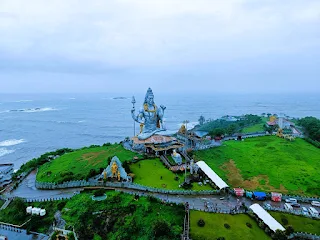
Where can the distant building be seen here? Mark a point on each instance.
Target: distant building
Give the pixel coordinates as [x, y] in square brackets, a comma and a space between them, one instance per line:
[229, 118]
[6, 171]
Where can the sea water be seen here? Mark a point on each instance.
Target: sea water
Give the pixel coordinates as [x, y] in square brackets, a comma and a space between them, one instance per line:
[33, 124]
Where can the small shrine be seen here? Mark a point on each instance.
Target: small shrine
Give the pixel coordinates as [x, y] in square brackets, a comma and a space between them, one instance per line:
[176, 157]
[115, 172]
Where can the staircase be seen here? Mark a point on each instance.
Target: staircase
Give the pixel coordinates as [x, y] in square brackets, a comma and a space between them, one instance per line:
[186, 225]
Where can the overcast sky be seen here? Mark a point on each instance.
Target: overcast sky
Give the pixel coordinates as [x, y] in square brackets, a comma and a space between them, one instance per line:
[171, 45]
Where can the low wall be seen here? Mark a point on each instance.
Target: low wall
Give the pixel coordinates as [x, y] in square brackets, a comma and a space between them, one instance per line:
[75, 184]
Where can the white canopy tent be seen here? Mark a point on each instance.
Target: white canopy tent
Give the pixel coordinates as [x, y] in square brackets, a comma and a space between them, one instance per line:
[212, 175]
[266, 217]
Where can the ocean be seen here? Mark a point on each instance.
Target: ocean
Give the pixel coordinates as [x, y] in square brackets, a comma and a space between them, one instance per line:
[32, 124]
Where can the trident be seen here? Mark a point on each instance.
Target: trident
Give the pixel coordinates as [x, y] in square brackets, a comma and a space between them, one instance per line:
[134, 122]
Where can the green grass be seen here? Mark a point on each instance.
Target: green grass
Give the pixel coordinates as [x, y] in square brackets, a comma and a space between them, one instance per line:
[80, 162]
[214, 227]
[149, 173]
[299, 223]
[295, 165]
[254, 128]
[121, 217]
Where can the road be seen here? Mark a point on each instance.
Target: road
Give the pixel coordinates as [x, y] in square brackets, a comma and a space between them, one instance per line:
[27, 189]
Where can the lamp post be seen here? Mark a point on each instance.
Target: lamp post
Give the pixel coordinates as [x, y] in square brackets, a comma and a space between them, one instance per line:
[186, 135]
[134, 122]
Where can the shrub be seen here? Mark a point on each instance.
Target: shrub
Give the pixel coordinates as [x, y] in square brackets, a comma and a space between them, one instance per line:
[227, 226]
[99, 192]
[61, 205]
[221, 238]
[249, 225]
[201, 222]
[284, 220]
[289, 230]
[176, 178]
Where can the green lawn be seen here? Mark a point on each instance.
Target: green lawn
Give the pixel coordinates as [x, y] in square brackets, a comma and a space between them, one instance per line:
[80, 162]
[149, 173]
[254, 128]
[267, 163]
[214, 227]
[121, 217]
[299, 223]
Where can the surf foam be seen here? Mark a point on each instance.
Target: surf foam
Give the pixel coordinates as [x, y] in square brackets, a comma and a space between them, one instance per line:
[11, 142]
[4, 151]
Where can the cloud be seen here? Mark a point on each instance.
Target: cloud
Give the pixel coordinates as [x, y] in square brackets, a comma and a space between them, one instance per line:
[169, 37]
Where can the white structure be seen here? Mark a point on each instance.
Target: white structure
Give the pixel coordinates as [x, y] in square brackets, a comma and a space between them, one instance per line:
[212, 175]
[42, 212]
[29, 210]
[36, 211]
[266, 217]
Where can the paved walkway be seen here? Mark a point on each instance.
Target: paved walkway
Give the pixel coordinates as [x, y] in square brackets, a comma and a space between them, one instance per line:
[27, 189]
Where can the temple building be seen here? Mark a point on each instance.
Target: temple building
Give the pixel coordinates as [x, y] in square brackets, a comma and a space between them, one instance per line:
[115, 172]
[157, 145]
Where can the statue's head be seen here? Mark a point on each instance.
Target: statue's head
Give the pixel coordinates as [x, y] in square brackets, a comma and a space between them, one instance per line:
[149, 97]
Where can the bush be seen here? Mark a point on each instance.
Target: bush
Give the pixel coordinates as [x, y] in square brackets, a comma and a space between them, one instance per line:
[289, 230]
[249, 225]
[221, 238]
[227, 226]
[201, 222]
[284, 220]
[99, 192]
[61, 205]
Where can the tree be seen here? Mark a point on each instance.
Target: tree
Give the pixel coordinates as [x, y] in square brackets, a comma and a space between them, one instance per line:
[280, 235]
[202, 120]
[289, 230]
[232, 129]
[161, 228]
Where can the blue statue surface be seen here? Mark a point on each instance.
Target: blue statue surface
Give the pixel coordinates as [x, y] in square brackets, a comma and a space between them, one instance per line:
[150, 118]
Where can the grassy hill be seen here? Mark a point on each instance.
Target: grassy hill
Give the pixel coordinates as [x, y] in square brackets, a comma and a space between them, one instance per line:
[77, 165]
[299, 223]
[214, 227]
[267, 163]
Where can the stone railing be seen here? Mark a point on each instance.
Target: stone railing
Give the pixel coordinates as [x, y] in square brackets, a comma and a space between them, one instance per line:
[304, 199]
[294, 212]
[304, 235]
[83, 183]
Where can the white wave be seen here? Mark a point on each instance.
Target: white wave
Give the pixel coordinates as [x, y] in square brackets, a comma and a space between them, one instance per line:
[20, 101]
[11, 142]
[33, 110]
[81, 121]
[6, 111]
[4, 151]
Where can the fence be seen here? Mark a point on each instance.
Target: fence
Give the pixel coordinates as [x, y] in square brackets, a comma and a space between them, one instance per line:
[294, 212]
[304, 236]
[83, 183]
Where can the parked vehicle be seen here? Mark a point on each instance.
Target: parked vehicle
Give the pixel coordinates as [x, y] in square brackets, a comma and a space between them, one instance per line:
[222, 198]
[267, 206]
[288, 206]
[313, 212]
[297, 205]
[315, 203]
[291, 200]
[304, 211]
